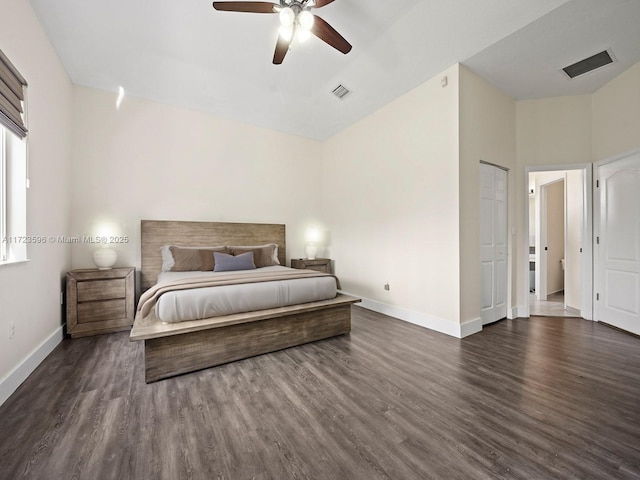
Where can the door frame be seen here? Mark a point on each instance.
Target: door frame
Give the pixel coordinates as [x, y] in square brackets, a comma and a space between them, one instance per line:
[596, 215]
[588, 263]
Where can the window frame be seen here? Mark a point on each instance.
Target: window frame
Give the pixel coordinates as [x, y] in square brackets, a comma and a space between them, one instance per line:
[14, 164]
[14, 187]
[4, 241]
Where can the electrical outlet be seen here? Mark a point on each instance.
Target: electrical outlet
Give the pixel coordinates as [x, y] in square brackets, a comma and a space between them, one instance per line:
[12, 330]
[387, 287]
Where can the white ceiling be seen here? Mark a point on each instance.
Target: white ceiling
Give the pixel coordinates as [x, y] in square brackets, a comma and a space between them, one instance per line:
[187, 54]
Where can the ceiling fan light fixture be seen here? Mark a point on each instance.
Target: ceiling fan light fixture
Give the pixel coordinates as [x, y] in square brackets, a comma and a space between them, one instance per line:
[303, 35]
[305, 19]
[286, 32]
[296, 22]
[287, 16]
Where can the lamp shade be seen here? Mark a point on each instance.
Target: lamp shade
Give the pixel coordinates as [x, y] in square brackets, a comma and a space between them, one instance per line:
[313, 235]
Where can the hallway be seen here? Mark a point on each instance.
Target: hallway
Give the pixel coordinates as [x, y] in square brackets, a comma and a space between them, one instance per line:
[553, 307]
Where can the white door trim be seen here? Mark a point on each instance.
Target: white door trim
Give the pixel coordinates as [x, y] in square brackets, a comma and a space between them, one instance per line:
[587, 234]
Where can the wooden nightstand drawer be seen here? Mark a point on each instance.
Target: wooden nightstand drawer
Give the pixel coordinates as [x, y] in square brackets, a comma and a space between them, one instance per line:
[100, 301]
[102, 311]
[318, 264]
[101, 290]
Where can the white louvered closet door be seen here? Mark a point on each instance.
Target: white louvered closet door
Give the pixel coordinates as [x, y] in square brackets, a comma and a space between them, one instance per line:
[493, 243]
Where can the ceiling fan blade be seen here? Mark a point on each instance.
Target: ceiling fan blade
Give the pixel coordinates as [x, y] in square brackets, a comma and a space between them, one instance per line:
[249, 7]
[328, 34]
[322, 3]
[282, 47]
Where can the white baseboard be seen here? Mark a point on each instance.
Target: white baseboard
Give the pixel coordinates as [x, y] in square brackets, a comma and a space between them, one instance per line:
[470, 327]
[19, 374]
[521, 311]
[427, 321]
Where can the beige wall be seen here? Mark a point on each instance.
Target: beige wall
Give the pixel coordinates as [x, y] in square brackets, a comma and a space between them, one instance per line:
[30, 292]
[550, 131]
[152, 161]
[616, 116]
[554, 131]
[391, 199]
[487, 132]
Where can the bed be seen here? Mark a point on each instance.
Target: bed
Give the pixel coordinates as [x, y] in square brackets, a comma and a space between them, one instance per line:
[173, 348]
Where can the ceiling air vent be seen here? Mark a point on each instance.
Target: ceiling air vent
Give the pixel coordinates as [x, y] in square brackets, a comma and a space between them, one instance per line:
[588, 64]
[341, 91]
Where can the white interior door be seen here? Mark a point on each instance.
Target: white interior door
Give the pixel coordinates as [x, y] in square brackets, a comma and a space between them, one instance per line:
[493, 243]
[618, 250]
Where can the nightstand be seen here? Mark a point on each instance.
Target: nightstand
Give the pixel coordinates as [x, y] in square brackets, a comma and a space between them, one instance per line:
[319, 264]
[100, 301]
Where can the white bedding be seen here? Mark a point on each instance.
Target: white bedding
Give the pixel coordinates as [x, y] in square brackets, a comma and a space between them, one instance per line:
[197, 303]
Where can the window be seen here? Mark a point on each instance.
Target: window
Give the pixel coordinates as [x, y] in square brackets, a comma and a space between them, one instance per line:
[13, 164]
[13, 198]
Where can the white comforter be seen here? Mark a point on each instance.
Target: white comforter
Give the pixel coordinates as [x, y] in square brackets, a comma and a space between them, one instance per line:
[193, 304]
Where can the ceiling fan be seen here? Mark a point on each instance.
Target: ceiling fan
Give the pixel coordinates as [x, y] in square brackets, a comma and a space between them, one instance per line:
[296, 21]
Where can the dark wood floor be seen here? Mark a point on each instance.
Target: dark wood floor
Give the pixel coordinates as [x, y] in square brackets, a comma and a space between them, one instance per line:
[543, 398]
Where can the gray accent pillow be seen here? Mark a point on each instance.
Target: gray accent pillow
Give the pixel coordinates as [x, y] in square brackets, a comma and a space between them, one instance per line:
[206, 257]
[230, 263]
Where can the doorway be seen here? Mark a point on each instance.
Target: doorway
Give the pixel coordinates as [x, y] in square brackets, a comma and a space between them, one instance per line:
[559, 241]
[555, 287]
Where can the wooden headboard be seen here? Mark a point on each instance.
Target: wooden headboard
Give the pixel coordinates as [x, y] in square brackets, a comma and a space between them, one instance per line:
[155, 233]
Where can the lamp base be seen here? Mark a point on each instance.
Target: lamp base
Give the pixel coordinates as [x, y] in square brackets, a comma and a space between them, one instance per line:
[105, 258]
[311, 251]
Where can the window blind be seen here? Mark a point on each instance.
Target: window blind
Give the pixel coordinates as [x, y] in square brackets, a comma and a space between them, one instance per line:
[12, 86]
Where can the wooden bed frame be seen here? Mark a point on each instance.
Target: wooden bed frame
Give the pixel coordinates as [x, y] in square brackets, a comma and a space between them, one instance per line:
[176, 348]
